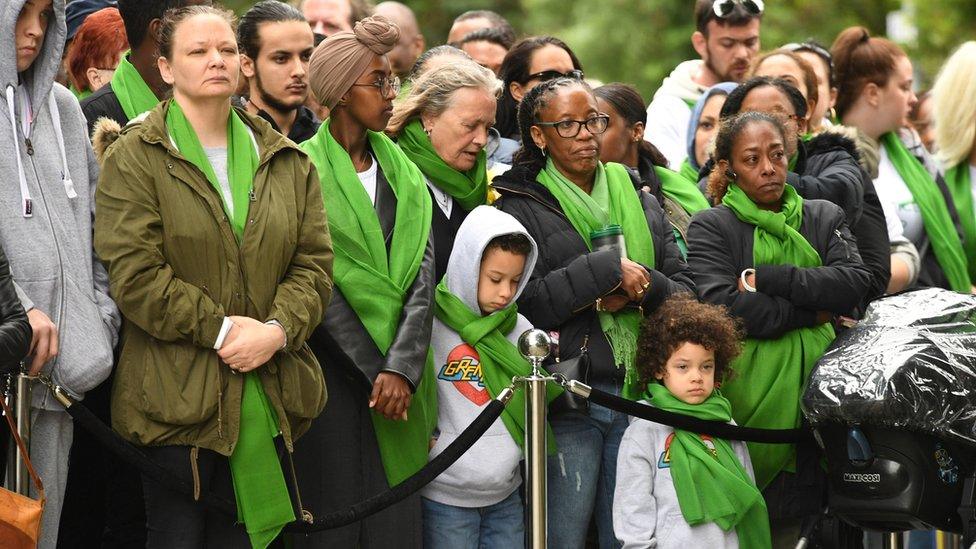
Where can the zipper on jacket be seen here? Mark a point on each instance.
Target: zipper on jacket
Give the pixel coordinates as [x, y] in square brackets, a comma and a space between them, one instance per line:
[847, 248]
[30, 146]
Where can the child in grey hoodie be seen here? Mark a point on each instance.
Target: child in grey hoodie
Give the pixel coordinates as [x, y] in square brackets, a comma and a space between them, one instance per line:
[476, 503]
[683, 489]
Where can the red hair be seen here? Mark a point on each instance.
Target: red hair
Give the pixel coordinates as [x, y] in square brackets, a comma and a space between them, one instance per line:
[98, 43]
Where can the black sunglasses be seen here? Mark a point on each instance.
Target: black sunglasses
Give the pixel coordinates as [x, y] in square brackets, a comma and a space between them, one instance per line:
[723, 8]
[546, 76]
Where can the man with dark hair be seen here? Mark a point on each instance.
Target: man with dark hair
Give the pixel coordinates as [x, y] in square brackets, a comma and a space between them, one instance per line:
[331, 16]
[726, 38]
[471, 21]
[276, 44]
[136, 86]
[411, 42]
[487, 47]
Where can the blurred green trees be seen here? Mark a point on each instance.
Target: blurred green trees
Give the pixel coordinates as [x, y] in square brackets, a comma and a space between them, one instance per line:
[640, 41]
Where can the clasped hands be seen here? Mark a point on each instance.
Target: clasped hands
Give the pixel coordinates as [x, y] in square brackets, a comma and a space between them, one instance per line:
[635, 280]
[250, 344]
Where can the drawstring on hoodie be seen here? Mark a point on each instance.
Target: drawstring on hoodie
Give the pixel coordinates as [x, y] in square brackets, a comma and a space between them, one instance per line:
[69, 187]
[28, 206]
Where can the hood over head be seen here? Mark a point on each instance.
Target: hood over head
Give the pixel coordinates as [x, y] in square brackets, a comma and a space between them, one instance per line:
[722, 88]
[464, 267]
[681, 83]
[39, 78]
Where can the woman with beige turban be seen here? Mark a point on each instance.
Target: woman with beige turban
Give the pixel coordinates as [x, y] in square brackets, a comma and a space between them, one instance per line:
[373, 344]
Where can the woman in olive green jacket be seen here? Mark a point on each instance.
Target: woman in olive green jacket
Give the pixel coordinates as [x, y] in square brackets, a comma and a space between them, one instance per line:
[214, 233]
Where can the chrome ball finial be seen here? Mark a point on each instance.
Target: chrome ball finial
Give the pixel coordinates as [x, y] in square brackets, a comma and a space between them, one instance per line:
[535, 345]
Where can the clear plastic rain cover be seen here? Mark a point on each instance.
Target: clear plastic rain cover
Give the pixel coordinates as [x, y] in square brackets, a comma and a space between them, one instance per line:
[911, 363]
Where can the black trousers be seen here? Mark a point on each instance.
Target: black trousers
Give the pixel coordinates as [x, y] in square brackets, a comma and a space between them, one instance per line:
[174, 520]
[338, 464]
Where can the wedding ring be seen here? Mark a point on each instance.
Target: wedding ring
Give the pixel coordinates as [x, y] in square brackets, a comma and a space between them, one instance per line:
[646, 285]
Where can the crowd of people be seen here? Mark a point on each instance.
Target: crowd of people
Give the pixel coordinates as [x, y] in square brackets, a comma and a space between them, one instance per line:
[289, 256]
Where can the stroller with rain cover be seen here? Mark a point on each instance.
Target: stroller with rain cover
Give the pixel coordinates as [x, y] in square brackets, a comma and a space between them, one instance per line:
[893, 406]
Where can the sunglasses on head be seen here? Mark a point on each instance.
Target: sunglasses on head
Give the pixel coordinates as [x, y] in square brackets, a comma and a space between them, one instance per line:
[546, 76]
[724, 8]
[812, 48]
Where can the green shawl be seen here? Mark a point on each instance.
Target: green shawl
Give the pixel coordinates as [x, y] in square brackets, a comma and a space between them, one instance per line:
[938, 223]
[375, 282]
[263, 503]
[469, 189]
[770, 373]
[131, 90]
[499, 359]
[688, 171]
[677, 188]
[711, 483]
[957, 178]
[611, 202]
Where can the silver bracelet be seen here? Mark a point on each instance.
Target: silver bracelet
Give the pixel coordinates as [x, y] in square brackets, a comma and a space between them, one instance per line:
[742, 278]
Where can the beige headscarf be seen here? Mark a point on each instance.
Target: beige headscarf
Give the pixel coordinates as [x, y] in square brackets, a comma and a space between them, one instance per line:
[340, 59]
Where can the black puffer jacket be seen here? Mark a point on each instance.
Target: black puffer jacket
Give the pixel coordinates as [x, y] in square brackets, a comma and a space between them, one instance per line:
[568, 278]
[720, 247]
[15, 330]
[830, 164]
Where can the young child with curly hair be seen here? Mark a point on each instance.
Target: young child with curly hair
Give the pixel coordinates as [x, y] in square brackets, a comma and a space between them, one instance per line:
[683, 489]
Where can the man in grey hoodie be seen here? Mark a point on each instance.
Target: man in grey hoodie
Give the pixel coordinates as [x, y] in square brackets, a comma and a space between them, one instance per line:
[726, 45]
[48, 174]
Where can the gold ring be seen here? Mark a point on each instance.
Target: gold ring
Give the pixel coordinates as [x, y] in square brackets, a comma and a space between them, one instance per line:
[641, 291]
[646, 285]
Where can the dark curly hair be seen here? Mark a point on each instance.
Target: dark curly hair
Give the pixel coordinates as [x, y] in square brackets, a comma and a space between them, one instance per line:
[516, 243]
[728, 131]
[682, 319]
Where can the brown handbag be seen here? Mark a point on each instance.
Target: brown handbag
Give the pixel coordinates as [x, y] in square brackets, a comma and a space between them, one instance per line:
[20, 516]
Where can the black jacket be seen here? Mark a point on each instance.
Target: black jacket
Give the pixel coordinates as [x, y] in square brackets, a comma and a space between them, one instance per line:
[103, 104]
[829, 169]
[15, 330]
[445, 230]
[568, 278]
[302, 130]
[343, 338]
[720, 247]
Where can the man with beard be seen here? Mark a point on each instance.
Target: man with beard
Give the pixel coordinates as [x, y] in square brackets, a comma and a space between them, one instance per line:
[276, 44]
[726, 38]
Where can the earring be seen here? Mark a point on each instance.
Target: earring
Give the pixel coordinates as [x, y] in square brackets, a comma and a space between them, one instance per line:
[543, 149]
[427, 131]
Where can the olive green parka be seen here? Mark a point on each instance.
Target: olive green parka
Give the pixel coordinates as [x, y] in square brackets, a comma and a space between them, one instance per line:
[176, 270]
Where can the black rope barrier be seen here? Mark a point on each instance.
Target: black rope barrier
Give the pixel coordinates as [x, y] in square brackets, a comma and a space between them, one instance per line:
[687, 423]
[372, 505]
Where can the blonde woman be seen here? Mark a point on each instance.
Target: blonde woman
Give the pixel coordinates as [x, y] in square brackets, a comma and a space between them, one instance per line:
[442, 126]
[954, 107]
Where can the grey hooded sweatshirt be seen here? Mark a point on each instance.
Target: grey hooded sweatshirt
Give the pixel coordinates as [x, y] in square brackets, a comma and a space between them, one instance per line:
[488, 472]
[47, 185]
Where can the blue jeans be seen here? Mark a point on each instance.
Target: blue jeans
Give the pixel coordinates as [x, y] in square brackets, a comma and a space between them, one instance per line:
[583, 472]
[498, 525]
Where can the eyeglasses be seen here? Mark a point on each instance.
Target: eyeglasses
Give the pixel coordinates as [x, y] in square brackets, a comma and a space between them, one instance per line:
[389, 85]
[724, 8]
[569, 129]
[548, 75]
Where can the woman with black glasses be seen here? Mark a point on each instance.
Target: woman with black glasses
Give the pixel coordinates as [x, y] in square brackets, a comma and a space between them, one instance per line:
[373, 343]
[531, 61]
[606, 255]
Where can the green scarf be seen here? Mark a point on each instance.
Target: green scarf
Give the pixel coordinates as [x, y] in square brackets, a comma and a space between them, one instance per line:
[688, 171]
[131, 90]
[763, 395]
[957, 178]
[374, 282]
[79, 95]
[499, 359]
[611, 202]
[677, 188]
[469, 189]
[711, 483]
[938, 223]
[263, 503]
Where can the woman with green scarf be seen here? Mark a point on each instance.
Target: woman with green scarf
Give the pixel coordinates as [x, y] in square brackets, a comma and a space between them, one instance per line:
[442, 126]
[784, 266]
[624, 143]
[213, 231]
[606, 255]
[374, 341]
[954, 111]
[874, 79]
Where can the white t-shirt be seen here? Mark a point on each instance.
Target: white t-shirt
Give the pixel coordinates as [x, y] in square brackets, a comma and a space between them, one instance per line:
[368, 179]
[443, 200]
[972, 181]
[902, 215]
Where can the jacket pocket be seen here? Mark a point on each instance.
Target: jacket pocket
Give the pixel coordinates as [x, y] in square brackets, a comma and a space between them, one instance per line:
[181, 385]
[303, 392]
[85, 354]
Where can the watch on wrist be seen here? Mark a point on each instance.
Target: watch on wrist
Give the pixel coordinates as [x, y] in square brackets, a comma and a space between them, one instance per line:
[743, 278]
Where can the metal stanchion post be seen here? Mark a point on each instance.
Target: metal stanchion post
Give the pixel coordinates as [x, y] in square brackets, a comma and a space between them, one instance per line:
[535, 346]
[18, 478]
